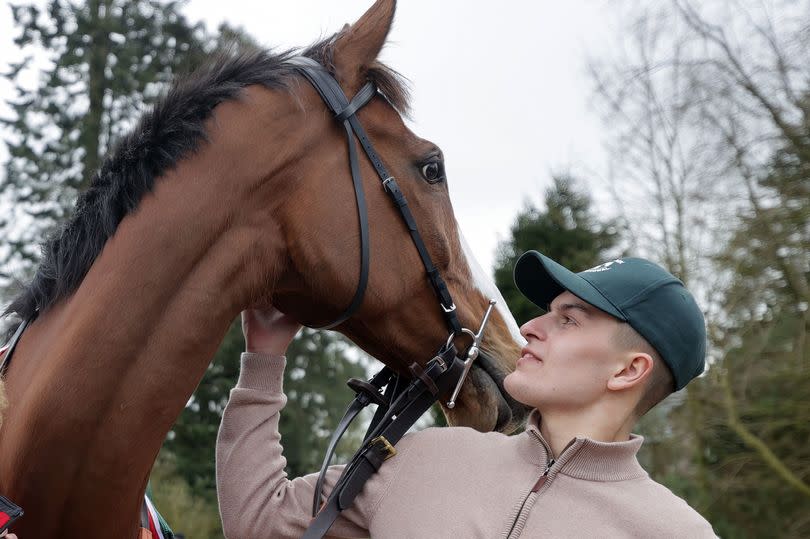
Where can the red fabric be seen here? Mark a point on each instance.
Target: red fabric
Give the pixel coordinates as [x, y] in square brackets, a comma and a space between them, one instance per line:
[152, 525]
[3, 519]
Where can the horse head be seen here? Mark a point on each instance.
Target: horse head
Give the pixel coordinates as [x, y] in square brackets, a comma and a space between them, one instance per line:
[400, 319]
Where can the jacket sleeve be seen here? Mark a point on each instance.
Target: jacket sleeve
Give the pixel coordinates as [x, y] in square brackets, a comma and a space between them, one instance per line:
[256, 500]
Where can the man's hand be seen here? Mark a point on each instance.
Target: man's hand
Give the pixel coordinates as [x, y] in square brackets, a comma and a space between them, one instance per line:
[268, 331]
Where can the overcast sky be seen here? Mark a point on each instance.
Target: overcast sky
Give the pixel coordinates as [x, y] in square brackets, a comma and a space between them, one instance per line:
[499, 86]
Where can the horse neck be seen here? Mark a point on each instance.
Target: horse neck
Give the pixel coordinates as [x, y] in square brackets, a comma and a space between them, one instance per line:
[103, 375]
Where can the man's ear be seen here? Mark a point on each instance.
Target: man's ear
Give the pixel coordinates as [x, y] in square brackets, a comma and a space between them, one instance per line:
[358, 46]
[632, 372]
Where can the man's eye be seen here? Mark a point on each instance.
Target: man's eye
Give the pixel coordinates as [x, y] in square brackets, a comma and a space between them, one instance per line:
[433, 172]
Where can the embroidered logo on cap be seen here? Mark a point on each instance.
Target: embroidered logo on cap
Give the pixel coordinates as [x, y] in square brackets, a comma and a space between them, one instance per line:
[604, 267]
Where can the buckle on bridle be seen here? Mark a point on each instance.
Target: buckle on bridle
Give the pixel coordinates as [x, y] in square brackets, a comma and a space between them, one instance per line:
[389, 449]
[449, 309]
[387, 181]
[472, 353]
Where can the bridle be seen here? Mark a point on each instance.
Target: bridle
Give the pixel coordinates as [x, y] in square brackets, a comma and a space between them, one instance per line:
[399, 402]
[345, 113]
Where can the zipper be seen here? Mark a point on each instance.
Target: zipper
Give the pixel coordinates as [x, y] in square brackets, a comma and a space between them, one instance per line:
[517, 526]
[543, 478]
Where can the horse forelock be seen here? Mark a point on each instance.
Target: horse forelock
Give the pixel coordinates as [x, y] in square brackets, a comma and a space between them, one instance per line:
[392, 84]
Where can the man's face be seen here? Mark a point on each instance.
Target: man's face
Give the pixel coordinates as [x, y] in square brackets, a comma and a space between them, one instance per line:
[569, 358]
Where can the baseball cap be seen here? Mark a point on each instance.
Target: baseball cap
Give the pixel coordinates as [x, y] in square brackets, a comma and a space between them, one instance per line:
[649, 298]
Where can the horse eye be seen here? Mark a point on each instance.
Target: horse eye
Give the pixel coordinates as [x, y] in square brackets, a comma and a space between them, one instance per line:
[433, 172]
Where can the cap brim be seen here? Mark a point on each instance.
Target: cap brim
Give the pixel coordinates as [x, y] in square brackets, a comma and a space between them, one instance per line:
[541, 280]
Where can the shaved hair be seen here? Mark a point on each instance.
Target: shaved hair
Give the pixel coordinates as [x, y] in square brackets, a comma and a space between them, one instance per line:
[661, 383]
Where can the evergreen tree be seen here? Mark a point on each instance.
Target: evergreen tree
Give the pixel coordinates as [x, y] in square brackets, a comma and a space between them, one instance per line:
[566, 231]
[108, 59]
[193, 516]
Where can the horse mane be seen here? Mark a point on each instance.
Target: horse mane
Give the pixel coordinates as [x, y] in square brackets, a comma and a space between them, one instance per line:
[172, 130]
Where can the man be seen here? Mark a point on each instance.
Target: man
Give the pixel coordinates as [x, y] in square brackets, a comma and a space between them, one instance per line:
[616, 340]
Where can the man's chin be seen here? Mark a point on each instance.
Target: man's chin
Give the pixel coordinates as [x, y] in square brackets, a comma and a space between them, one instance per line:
[514, 387]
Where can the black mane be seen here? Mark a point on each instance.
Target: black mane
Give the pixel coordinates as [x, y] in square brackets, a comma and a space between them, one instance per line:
[172, 130]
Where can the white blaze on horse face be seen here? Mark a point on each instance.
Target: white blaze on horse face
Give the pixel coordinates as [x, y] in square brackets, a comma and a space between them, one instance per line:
[487, 287]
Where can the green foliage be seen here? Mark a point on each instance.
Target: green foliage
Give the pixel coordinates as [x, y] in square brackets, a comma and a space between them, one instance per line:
[193, 516]
[566, 230]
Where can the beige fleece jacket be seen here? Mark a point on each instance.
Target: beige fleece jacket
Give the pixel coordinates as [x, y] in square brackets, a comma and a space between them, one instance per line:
[453, 482]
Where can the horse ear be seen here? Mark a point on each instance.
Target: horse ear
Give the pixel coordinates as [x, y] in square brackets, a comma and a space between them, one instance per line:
[357, 46]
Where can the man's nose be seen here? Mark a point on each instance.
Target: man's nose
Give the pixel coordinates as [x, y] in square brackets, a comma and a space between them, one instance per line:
[535, 328]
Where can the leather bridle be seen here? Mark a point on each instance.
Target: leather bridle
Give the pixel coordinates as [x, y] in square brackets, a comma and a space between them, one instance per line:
[345, 113]
[399, 402]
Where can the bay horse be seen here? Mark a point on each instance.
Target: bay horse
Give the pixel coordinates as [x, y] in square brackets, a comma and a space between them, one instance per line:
[233, 192]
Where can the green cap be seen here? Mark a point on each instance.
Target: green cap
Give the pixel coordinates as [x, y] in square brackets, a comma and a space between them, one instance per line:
[649, 298]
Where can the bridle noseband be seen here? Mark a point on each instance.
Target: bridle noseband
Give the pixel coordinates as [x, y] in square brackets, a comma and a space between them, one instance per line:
[399, 402]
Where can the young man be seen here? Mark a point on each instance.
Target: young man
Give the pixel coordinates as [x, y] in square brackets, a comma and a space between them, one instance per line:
[616, 340]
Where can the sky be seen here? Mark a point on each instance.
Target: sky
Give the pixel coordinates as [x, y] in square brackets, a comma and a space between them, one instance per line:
[501, 87]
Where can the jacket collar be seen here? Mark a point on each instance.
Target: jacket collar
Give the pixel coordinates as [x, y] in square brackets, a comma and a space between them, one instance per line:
[585, 458]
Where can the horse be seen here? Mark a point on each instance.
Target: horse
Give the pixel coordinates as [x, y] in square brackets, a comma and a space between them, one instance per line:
[233, 192]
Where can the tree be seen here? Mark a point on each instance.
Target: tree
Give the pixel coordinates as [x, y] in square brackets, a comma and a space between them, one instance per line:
[764, 369]
[566, 231]
[107, 60]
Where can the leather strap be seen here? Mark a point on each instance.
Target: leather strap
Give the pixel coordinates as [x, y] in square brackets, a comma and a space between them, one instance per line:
[444, 370]
[365, 395]
[334, 98]
[12, 343]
